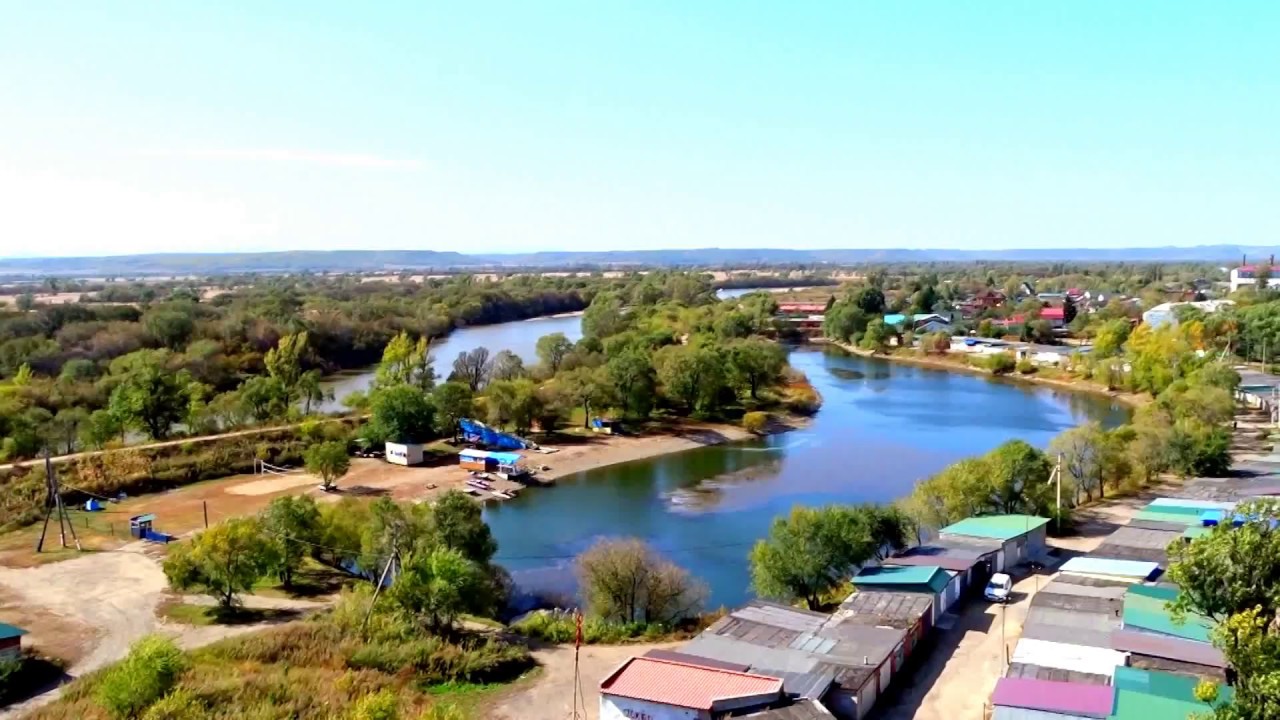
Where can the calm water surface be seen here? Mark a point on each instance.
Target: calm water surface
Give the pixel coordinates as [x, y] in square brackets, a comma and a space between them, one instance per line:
[519, 337]
[882, 427]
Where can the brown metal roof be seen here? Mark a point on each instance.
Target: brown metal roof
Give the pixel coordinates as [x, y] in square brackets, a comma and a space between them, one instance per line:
[1167, 647]
[687, 659]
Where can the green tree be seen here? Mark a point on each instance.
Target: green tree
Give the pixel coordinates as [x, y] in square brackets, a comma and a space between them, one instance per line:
[552, 350]
[150, 670]
[809, 553]
[876, 337]
[845, 321]
[754, 363]
[584, 387]
[1081, 449]
[604, 317]
[631, 374]
[624, 580]
[171, 325]
[436, 585]
[691, 375]
[65, 427]
[151, 398]
[101, 428]
[26, 302]
[311, 391]
[507, 366]
[328, 461]
[1232, 576]
[406, 362]
[402, 414]
[452, 402]
[458, 525]
[1110, 338]
[294, 521]
[223, 561]
[869, 299]
[284, 363]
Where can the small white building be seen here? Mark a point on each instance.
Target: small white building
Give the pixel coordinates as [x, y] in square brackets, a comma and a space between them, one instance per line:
[646, 688]
[1248, 275]
[1166, 313]
[404, 453]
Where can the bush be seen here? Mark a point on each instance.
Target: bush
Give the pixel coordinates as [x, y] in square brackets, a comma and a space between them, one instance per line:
[755, 422]
[181, 704]
[558, 626]
[804, 401]
[150, 670]
[1025, 367]
[1001, 363]
[381, 705]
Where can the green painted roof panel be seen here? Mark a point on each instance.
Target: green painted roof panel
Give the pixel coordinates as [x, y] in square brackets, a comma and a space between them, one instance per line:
[1145, 609]
[931, 576]
[1133, 705]
[1167, 517]
[998, 527]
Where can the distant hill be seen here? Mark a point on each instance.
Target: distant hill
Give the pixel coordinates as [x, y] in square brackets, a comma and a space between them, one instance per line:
[395, 260]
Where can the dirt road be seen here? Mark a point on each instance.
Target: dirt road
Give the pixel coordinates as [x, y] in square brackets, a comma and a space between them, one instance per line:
[551, 696]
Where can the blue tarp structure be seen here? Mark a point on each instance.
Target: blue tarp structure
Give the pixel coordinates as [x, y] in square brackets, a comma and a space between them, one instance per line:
[92, 505]
[474, 431]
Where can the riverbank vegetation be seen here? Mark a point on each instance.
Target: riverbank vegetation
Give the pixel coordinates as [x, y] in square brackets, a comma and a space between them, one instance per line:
[86, 375]
[664, 351]
[814, 551]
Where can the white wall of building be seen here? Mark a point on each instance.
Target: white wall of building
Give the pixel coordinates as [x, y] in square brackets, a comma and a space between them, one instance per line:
[404, 454]
[620, 708]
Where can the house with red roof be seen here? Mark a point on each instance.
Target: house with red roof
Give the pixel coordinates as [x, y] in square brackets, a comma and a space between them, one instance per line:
[657, 688]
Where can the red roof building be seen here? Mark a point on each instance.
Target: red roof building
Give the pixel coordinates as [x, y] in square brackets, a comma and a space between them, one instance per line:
[651, 687]
[1053, 313]
[802, 308]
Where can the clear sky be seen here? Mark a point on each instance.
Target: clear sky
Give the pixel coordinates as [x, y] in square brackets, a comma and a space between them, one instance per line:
[475, 126]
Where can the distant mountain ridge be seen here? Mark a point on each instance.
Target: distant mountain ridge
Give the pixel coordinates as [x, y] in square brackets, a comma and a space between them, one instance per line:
[395, 260]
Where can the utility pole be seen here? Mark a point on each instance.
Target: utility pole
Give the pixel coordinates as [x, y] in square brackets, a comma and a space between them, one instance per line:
[53, 504]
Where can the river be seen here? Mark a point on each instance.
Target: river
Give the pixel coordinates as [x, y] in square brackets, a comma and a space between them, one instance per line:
[521, 337]
[882, 427]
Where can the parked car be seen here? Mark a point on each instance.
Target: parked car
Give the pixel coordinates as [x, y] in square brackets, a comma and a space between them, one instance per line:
[998, 588]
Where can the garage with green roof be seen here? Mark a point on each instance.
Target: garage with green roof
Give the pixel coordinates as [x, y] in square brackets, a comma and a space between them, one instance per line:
[941, 585]
[1024, 537]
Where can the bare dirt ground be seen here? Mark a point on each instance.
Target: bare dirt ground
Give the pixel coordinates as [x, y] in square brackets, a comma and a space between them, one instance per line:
[88, 610]
[550, 696]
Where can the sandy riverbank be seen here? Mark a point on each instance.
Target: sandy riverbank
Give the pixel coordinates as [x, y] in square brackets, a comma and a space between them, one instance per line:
[957, 364]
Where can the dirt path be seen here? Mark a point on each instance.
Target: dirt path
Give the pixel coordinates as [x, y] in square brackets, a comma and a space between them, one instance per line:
[550, 697]
[107, 601]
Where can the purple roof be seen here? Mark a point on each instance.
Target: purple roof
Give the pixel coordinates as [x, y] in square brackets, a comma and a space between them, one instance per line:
[1053, 696]
[1167, 647]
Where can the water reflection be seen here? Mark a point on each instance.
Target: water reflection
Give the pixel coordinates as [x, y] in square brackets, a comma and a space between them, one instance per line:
[881, 429]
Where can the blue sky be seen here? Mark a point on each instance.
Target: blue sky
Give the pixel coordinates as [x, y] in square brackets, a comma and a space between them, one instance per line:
[231, 126]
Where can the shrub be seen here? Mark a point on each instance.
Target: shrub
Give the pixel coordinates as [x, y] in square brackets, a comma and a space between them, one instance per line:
[803, 401]
[150, 670]
[755, 422]
[381, 705]
[627, 581]
[181, 704]
[1025, 367]
[1001, 363]
[555, 626]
